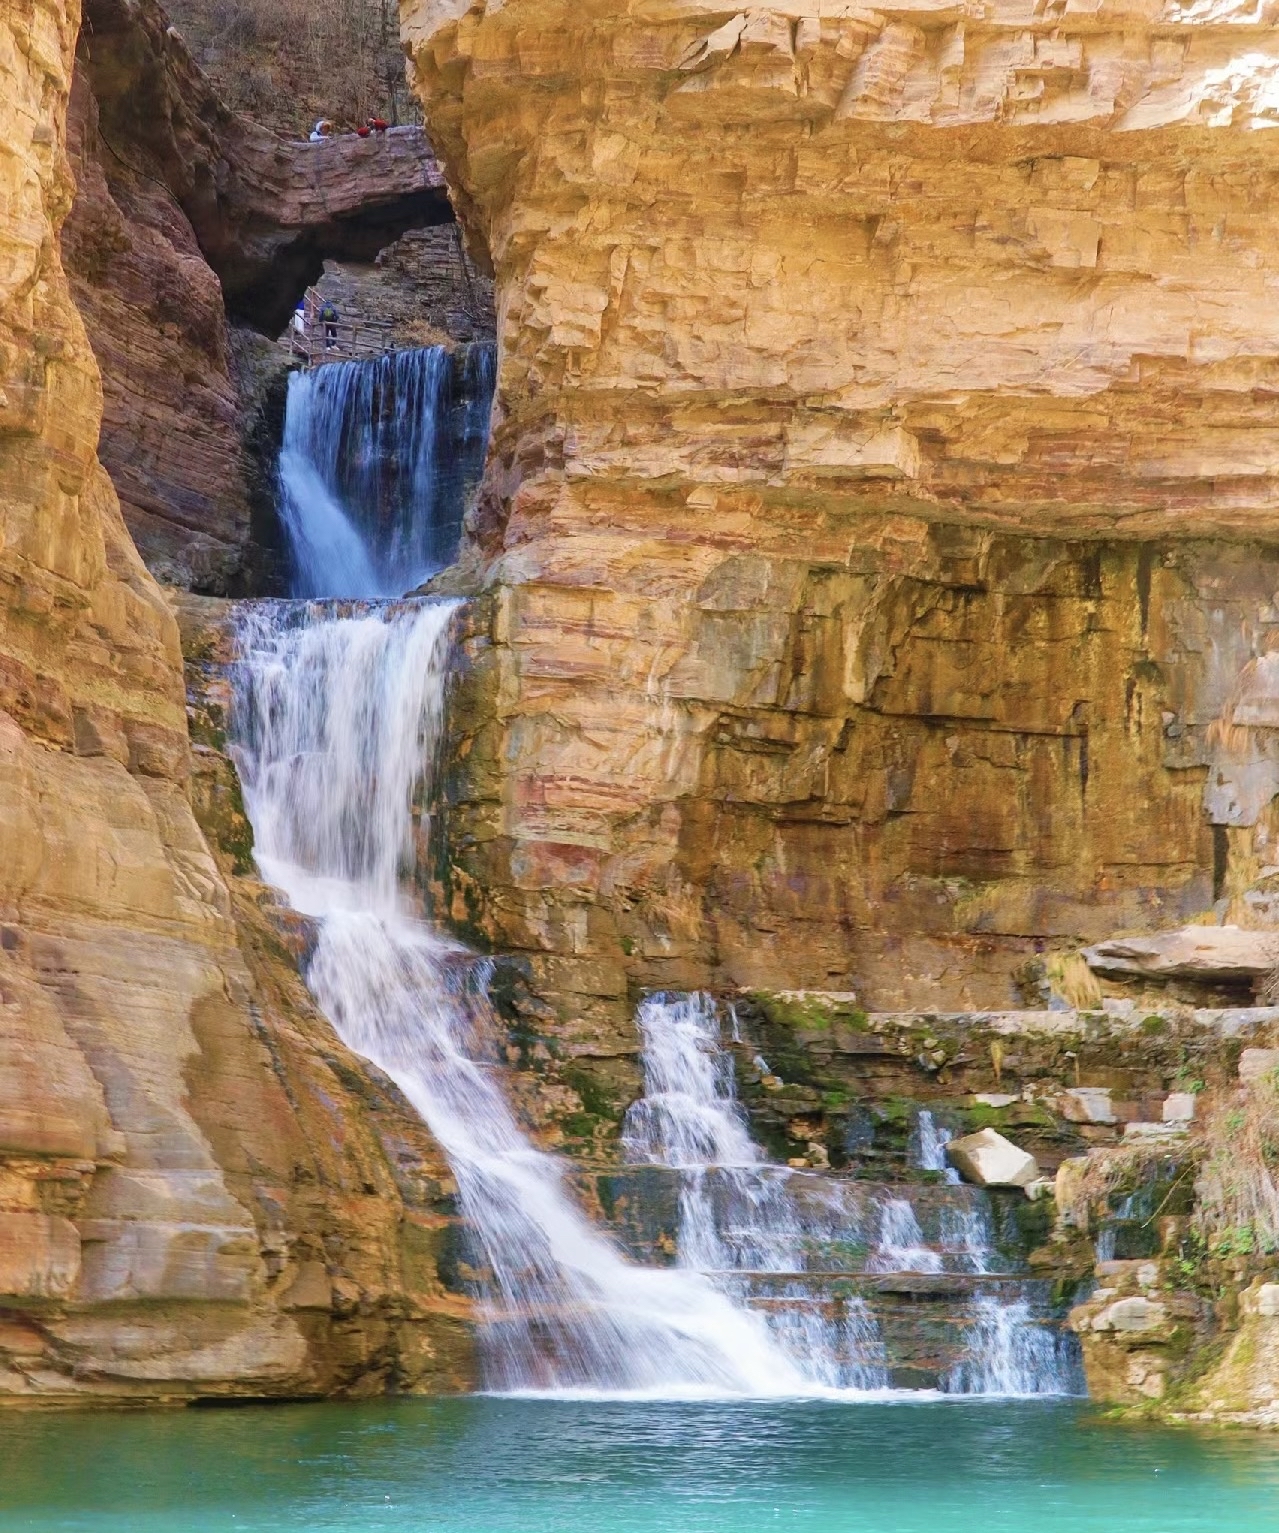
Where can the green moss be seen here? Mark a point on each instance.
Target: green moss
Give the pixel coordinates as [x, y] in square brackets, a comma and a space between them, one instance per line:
[1153, 1024]
[1018, 1115]
[596, 1101]
[896, 1111]
[208, 727]
[802, 1014]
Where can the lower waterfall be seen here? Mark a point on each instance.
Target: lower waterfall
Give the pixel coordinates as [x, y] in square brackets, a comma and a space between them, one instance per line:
[787, 1242]
[337, 722]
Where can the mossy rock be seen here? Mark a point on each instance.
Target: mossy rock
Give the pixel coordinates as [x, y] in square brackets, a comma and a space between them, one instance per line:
[809, 1014]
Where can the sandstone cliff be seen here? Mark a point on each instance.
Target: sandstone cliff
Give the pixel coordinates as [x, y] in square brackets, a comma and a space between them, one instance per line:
[866, 375]
[201, 1192]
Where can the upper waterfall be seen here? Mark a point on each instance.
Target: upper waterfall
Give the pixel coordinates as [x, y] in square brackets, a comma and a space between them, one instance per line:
[376, 465]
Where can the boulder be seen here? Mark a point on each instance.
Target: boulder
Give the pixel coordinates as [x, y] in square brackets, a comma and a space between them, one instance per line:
[1086, 1104]
[1132, 1315]
[1179, 1107]
[1268, 1301]
[987, 1159]
[1194, 952]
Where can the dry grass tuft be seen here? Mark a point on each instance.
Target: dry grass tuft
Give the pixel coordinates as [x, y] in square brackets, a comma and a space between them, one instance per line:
[1072, 979]
[1237, 1188]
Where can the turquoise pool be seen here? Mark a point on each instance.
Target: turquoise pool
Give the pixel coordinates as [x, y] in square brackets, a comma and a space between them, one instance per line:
[520, 1466]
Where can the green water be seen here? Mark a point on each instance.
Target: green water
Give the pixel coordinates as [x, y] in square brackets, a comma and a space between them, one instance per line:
[508, 1466]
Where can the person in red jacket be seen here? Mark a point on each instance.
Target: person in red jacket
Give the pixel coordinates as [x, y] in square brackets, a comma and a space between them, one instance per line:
[378, 124]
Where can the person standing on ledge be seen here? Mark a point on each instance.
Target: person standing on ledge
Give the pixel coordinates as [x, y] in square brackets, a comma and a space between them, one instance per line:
[329, 316]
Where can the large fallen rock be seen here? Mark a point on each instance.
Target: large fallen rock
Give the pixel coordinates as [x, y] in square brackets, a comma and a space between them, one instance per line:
[987, 1159]
[1193, 952]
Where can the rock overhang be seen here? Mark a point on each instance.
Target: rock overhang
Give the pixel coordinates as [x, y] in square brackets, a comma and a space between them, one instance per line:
[995, 266]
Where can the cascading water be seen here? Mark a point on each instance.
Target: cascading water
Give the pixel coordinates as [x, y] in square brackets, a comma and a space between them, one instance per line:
[377, 461]
[931, 1139]
[743, 1221]
[774, 1237]
[339, 716]
[338, 721]
[1012, 1352]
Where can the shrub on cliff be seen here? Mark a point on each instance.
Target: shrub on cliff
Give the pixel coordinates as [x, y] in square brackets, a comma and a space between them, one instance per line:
[289, 62]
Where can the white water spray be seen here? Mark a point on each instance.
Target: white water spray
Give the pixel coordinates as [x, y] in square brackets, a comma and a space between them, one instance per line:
[745, 1223]
[930, 1147]
[1011, 1353]
[339, 720]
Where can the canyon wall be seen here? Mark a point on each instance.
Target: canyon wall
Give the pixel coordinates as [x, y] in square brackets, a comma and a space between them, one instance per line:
[879, 512]
[201, 1191]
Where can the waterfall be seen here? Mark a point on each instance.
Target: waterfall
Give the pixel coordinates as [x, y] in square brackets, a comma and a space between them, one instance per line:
[775, 1238]
[338, 720]
[742, 1222]
[377, 463]
[901, 1241]
[688, 1115]
[1011, 1353]
[338, 724]
[931, 1139]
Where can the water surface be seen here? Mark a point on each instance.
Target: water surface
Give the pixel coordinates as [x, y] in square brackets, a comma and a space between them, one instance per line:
[489, 1465]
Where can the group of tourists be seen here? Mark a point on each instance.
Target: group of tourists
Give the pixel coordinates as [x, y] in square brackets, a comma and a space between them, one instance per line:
[325, 129]
[327, 315]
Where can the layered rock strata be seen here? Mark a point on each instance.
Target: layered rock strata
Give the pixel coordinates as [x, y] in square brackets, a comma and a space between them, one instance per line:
[154, 312]
[864, 375]
[201, 1192]
[265, 210]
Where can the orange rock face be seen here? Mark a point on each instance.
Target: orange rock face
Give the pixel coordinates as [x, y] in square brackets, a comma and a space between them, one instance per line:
[865, 375]
[200, 1191]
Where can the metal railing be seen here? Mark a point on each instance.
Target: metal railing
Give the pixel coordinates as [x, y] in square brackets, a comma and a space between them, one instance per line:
[316, 340]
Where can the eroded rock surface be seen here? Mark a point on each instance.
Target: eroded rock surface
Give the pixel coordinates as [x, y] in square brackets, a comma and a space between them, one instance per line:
[265, 210]
[201, 1192]
[864, 375]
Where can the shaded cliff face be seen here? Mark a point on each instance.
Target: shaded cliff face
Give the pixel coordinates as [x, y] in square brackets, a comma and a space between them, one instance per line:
[153, 309]
[184, 208]
[201, 1192]
[861, 373]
